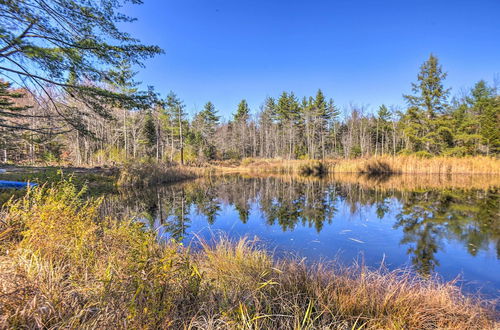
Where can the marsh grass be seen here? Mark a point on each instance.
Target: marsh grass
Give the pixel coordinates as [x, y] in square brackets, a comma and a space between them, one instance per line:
[61, 265]
[380, 164]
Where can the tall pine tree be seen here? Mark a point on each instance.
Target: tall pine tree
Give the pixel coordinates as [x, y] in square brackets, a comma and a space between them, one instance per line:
[427, 126]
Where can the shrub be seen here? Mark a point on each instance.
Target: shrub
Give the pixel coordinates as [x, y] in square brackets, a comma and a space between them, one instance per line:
[143, 174]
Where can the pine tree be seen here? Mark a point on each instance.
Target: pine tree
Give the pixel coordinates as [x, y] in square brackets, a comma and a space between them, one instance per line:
[175, 108]
[243, 112]
[205, 124]
[429, 92]
[426, 127]
[487, 106]
[149, 133]
[9, 110]
[210, 118]
[12, 118]
[266, 125]
[60, 45]
[490, 123]
[382, 129]
[323, 114]
[287, 114]
[239, 130]
[476, 121]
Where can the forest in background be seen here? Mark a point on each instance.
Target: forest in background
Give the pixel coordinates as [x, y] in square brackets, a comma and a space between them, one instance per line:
[285, 127]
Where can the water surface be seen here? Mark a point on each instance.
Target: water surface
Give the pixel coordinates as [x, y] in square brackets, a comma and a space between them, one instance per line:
[444, 226]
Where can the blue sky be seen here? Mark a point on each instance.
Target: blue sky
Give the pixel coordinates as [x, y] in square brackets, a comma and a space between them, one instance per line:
[362, 52]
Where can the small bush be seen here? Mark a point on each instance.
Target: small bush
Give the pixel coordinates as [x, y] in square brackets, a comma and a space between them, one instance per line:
[247, 161]
[377, 167]
[317, 169]
[145, 174]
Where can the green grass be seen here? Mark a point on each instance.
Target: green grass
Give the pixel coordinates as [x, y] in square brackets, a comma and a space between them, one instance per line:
[62, 265]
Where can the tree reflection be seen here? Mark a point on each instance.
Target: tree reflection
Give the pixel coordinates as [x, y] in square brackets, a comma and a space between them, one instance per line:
[425, 217]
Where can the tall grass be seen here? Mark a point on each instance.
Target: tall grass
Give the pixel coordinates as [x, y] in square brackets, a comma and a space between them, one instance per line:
[61, 265]
[374, 165]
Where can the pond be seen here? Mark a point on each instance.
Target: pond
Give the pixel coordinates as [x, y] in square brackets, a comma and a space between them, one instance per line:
[448, 227]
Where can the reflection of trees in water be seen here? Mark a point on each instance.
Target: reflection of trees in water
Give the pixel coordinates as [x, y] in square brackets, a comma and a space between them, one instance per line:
[290, 203]
[425, 218]
[471, 217]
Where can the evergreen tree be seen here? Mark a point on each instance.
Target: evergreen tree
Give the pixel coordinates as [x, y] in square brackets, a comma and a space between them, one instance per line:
[383, 113]
[426, 125]
[382, 128]
[243, 112]
[12, 119]
[175, 109]
[239, 130]
[61, 45]
[9, 110]
[334, 116]
[287, 109]
[210, 118]
[149, 134]
[486, 109]
[430, 95]
[476, 121]
[267, 136]
[205, 124]
[323, 116]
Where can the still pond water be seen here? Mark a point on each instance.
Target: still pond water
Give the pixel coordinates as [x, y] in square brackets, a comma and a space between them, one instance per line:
[446, 227]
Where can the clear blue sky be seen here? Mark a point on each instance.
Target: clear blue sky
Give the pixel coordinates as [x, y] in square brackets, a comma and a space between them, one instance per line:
[365, 52]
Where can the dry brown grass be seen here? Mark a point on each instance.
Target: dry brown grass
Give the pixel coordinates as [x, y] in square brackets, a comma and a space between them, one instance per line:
[288, 294]
[374, 165]
[115, 274]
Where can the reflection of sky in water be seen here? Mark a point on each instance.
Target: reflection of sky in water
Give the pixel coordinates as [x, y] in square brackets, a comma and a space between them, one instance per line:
[362, 234]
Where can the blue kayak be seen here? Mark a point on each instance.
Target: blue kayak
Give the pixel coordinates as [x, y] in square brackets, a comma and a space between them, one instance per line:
[16, 184]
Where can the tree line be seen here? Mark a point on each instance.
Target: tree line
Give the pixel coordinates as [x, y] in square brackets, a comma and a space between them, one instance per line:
[285, 127]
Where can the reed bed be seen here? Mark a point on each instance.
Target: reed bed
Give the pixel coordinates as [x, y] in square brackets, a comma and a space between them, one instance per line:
[373, 165]
[61, 265]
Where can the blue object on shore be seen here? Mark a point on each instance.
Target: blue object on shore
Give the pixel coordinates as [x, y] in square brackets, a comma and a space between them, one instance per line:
[16, 184]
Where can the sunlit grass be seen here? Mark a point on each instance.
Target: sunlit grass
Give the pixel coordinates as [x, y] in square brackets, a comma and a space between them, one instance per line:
[374, 165]
[62, 265]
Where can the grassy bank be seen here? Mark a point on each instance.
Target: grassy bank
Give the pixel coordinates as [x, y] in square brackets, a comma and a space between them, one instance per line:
[99, 180]
[95, 180]
[61, 265]
[373, 165]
